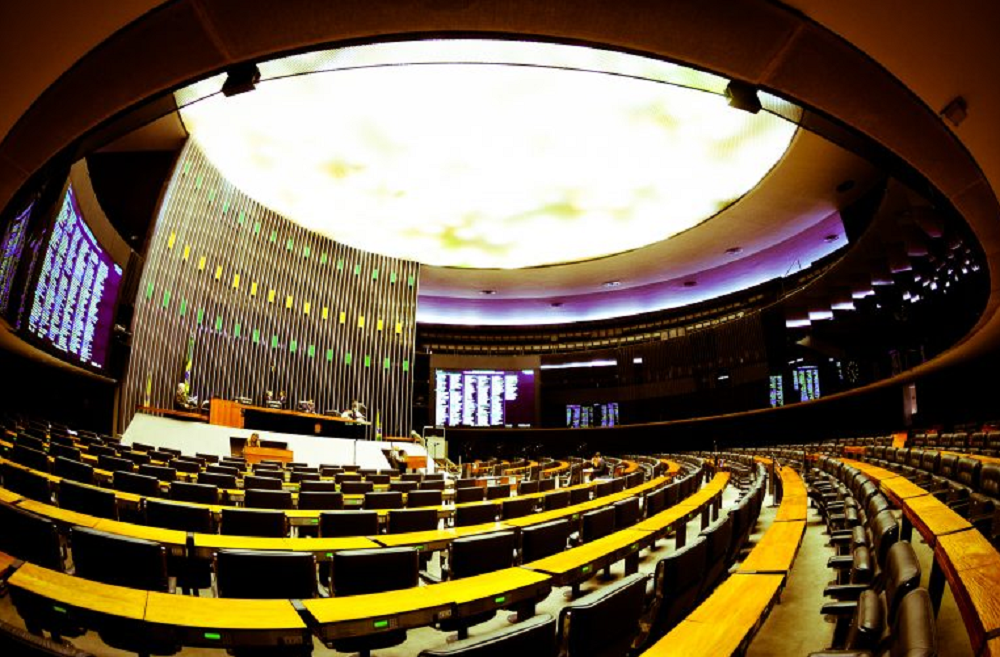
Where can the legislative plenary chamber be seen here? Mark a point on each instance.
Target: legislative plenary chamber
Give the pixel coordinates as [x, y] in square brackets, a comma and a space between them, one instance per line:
[468, 328]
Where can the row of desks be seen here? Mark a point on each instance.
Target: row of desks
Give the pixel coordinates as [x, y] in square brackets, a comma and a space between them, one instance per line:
[228, 623]
[727, 620]
[962, 556]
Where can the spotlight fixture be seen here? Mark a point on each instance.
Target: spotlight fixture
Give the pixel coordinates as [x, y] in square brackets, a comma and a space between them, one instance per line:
[487, 292]
[743, 96]
[832, 237]
[733, 250]
[956, 111]
[845, 186]
[611, 283]
[690, 283]
[556, 304]
[241, 79]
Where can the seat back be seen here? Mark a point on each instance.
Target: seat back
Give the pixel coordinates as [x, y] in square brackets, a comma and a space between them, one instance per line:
[265, 575]
[498, 492]
[431, 484]
[517, 507]
[182, 517]
[261, 483]
[542, 540]
[320, 500]
[902, 575]
[137, 484]
[527, 487]
[914, 633]
[470, 494]
[579, 495]
[720, 539]
[989, 480]
[30, 537]
[412, 520]
[119, 560]
[484, 553]
[161, 472]
[948, 466]
[403, 486]
[383, 500]
[546, 485]
[423, 498]
[678, 582]
[113, 463]
[73, 470]
[255, 498]
[867, 624]
[603, 622]
[253, 522]
[356, 572]
[475, 514]
[597, 523]
[348, 523]
[312, 486]
[626, 512]
[360, 488]
[88, 500]
[183, 491]
[222, 480]
[556, 500]
[35, 459]
[654, 502]
[885, 533]
[23, 482]
[65, 451]
[967, 470]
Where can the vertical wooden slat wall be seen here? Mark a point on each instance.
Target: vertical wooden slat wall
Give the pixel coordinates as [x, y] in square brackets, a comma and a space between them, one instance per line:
[270, 305]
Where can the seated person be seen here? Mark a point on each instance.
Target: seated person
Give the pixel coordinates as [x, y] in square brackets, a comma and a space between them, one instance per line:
[183, 400]
[307, 406]
[600, 466]
[355, 412]
[253, 440]
[274, 401]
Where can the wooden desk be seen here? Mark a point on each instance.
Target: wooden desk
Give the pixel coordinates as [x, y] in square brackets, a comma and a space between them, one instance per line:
[792, 509]
[725, 622]
[6, 563]
[60, 516]
[436, 539]
[776, 550]
[580, 563]
[972, 568]
[193, 416]
[258, 454]
[172, 539]
[225, 413]
[933, 518]
[78, 593]
[361, 615]
[323, 548]
[9, 496]
[226, 623]
[898, 489]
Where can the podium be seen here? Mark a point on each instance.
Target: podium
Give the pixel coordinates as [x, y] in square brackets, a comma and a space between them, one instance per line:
[258, 454]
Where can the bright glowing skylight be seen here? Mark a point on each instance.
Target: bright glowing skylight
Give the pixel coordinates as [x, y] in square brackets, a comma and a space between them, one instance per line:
[461, 158]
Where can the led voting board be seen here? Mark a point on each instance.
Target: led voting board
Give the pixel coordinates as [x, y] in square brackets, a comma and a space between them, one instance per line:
[592, 415]
[74, 300]
[484, 398]
[11, 248]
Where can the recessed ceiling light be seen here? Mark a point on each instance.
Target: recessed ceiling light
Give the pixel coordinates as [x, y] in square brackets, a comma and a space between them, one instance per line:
[845, 186]
[487, 292]
[832, 237]
[556, 304]
[733, 250]
[690, 283]
[611, 283]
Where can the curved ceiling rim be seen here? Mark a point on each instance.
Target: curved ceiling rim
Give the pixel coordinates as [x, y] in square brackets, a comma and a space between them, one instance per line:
[758, 41]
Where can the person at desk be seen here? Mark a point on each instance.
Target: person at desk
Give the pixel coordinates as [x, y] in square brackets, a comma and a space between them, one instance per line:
[600, 466]
[355, 412]
[272, 401]
[253, 440]
[183, 400]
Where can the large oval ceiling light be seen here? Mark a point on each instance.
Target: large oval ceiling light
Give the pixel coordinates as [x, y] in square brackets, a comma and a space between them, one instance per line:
[486, 154]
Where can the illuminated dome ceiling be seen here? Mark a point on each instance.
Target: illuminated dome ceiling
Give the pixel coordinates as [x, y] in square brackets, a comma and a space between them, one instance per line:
[537, 183]
[482, 154]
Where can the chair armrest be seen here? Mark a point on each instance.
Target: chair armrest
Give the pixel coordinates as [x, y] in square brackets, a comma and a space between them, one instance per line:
[841, 653]
[843, 592]
[839, 608]
[840, 562]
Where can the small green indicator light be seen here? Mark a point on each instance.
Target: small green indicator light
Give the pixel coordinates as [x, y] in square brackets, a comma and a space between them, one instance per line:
[586, 569]
[329, 555]
[315, 521]
[500, 600]
[576, 516]
[419, 547]
[382, 624]
[212, 636]
[61, 610]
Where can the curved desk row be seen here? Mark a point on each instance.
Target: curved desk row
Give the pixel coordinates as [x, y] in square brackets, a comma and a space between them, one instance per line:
[226, 623]
[962, 555]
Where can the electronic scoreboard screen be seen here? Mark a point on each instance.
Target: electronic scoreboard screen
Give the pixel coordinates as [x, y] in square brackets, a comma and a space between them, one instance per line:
[484, 398]
[11, 248]
[580, 416]
[74, 299]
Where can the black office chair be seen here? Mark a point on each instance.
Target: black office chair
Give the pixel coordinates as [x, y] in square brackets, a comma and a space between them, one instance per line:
[139, 458]
[527, 487]
[498, 492]
[556, 500]
[626, 512]
[182, 491]
[380, 479]
[474, 555]
[267, 499]
[65, 451]
[191, 572]
[298, 476]
[161, 472]
[356, 572]
[185, 466]
[403, 486]
[412, 520]
[87, 500]
[130, 482]
[383, 500]
[223, 481]
[24, 482]
[261, 483]
[254, 522]
[30, 537]
[31, 442]
[348, 523]
[518, 507]
[654, 502]
[431, 484]
[219, 468]
[208, 458]
[423, 498]
[309, 485]
[678, 584]
[73, 470]
[596, 524]
[603, 488]
[320, 500]
[112, 463]
[359, 488]
[265, 575]
[579, 495]
[471, 494]
[476, 514]
[535, 636]
[604, 622]
[119, 560]
[35, 459]
[544, 539]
